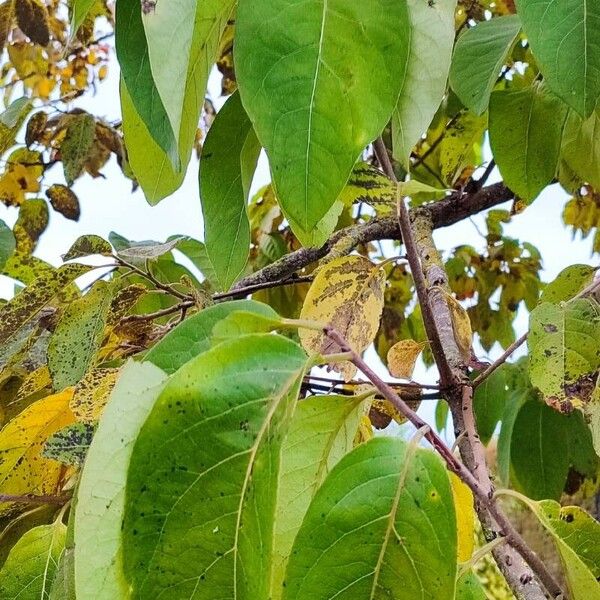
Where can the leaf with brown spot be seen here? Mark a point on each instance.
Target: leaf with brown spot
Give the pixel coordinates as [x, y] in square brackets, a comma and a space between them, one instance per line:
[31, 223]
[402, 357]
[32, 19]
[124, 300]
[382, 412]
[36, 126]
[26, 305]
[87, 245]
[70, 444]
[22, 468]
[77, 145]
[64, 201]
[347, 293]
[92, 392]
[78, 336]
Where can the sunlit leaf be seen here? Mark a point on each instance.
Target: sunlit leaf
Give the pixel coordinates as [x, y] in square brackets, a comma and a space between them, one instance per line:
[570, 281]
[346, 293]
[465, 517]
[402, 545]
[402, 357]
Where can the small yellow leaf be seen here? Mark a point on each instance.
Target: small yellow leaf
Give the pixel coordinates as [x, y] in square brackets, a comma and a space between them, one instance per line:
[365, 431]
[348, 294]
[23, 469]
[461, 324]
[402, 357]
[465, 517]
[92, 392]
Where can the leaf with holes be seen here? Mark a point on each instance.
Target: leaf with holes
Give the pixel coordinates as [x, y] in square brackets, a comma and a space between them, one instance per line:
[564, 346]
[346, 293]
[314, 124]
[402, 545]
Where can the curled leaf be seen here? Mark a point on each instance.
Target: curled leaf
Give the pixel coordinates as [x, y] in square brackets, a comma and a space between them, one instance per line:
[402, 357]
[64, 201]
[461, 325]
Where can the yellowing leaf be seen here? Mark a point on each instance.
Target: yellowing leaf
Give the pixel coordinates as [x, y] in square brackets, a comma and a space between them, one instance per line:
[36, 127]
[368, 184]
[461, 324]
[64, 201]
[348, 294]
[77, 145]
[402, 356]
[465, 517]
[92, 392]
[32, 18]
[22, 468]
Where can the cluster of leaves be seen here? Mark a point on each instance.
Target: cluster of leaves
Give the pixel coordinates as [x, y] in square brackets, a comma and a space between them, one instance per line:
[183, 433]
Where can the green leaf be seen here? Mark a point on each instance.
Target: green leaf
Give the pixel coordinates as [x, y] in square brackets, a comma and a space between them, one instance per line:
[31, 565]
[139, 89]
[149, 162]
[77, 145]
[468, 587]
[563, 37]
[86, 245]
[316, 236]
[70, 444]
[526, 128]
[79, 10]
[569, 282]
[7, 243]
[581, 147]
[322, 431]
[432, 38]
[63, 586]
[478, 57]
[193, 336]
[15, 114]
[577, 538]
[564, 347]
[489, 401]
[233, 405]
[241, 322]
[25, 306]
[229, 157]
[101, 492]
[78, 336]
[311, 93]
[382, 524]
[539, 450]
[196, 252]
[183, 42]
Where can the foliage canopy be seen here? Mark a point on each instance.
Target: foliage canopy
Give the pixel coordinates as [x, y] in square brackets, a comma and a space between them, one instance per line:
[165, 428]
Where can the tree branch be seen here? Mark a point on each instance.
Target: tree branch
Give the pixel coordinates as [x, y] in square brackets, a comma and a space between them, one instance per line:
[456, 207]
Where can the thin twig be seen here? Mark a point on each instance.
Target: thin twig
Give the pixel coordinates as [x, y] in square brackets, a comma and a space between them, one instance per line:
[34, 499]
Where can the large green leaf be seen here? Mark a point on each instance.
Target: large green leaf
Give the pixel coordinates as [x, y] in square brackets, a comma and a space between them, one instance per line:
[564, 40]
[229, 157]
[468, 587]
[478, 58]
[322, 431]
[101, 493]
[568, 283]
[134, 62]
[29, 569]
[78, 336]
[526, 129]
[183, 40]
[424, 85]
[201, 520]
[564, 346]
[489, 402]
[382, 525]
[581, 147]
[319, 80]
[193, 336]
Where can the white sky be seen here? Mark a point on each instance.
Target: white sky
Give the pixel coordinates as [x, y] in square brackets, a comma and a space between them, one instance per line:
[108, 204]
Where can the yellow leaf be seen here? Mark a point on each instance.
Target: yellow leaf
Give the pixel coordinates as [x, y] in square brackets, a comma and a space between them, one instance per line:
[23, 470]
[402, 357]
[465, 517]
[365, 431]
[348, 294]
[461, 324]
[64, 201]
[92, 392]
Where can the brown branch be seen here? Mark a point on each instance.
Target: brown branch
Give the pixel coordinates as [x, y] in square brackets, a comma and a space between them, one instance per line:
[33, 499]
[451, 210]
[519, 579]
